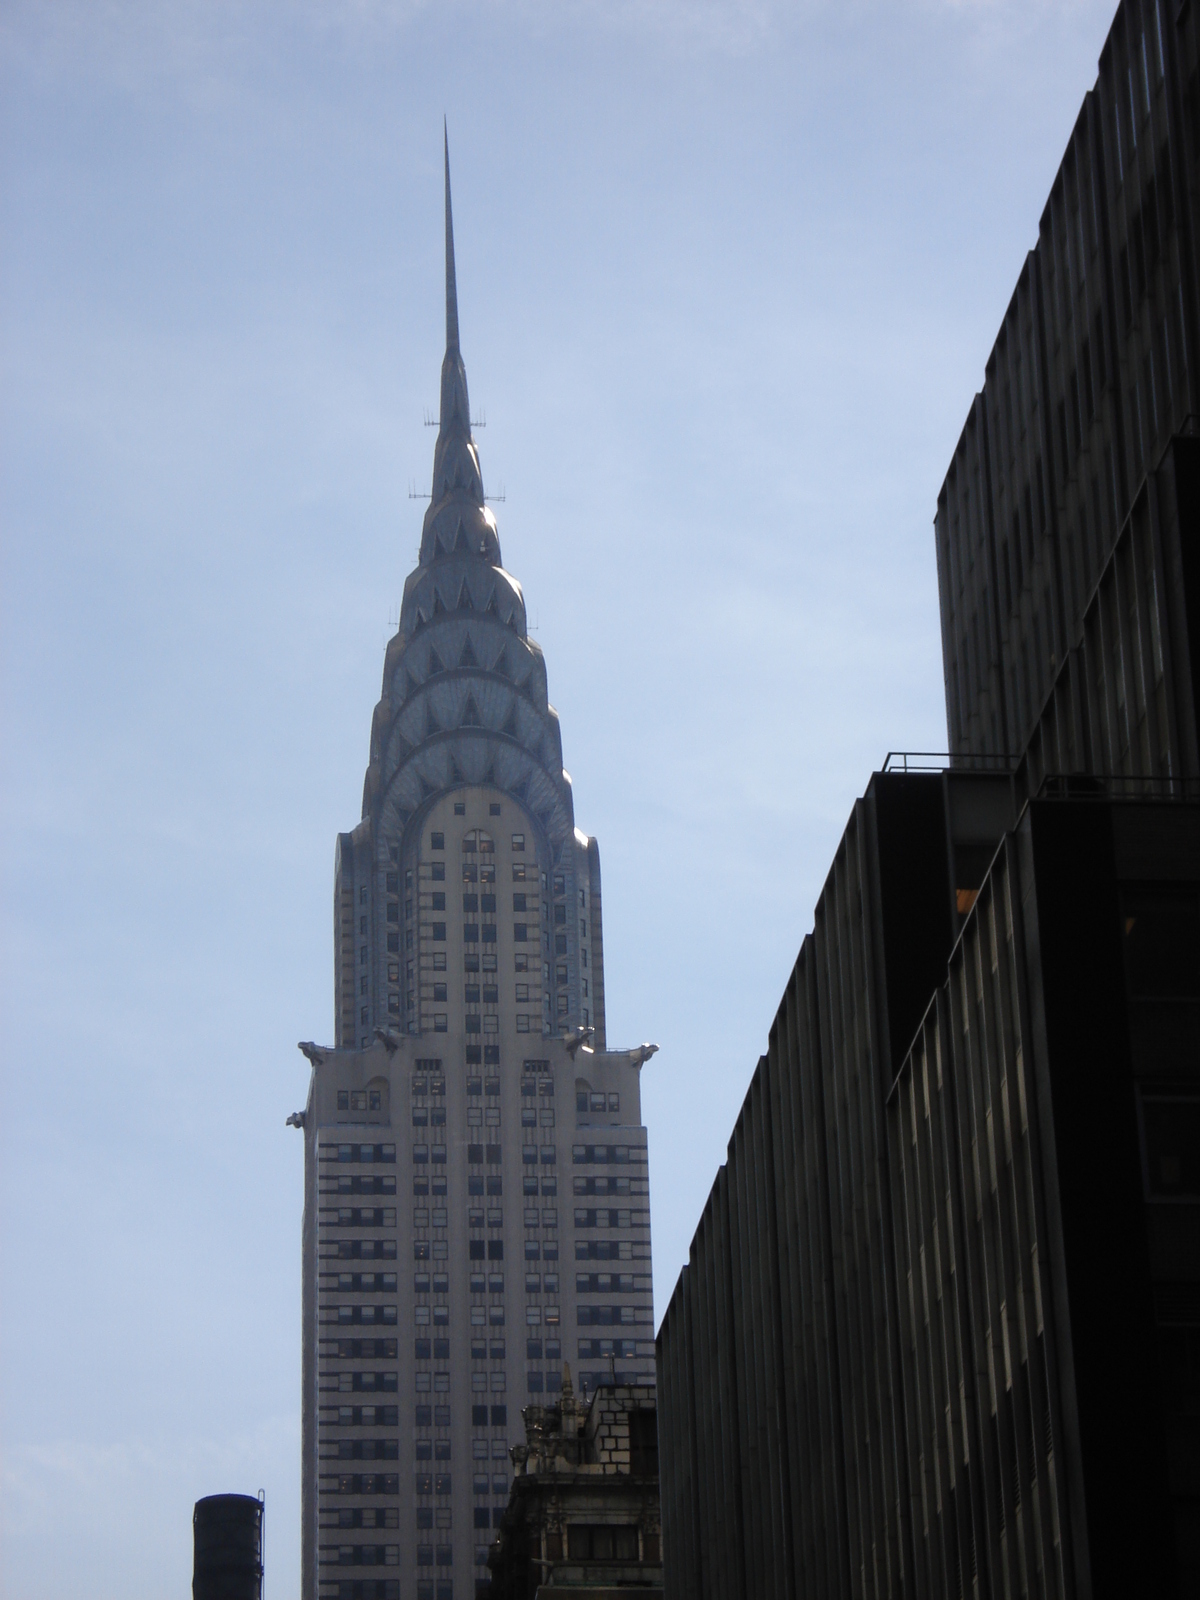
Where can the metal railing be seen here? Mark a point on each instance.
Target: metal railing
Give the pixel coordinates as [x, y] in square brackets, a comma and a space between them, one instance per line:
[946, 761]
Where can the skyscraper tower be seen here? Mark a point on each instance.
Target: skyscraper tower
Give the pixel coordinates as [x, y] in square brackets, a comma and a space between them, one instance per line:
[470, 1094]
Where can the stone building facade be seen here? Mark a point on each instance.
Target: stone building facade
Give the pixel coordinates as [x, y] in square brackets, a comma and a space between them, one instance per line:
[476, 1187]
[583, 1514]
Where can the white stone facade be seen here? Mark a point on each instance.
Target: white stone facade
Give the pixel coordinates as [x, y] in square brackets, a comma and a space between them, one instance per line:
[476, 1187]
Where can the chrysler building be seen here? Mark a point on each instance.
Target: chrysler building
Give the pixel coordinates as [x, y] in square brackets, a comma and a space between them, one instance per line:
[476, 1213]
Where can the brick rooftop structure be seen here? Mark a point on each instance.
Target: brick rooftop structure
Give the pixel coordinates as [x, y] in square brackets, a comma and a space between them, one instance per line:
[583, 1513]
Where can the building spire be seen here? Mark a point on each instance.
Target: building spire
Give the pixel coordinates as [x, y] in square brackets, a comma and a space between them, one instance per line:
[458, 518]
[454, 416]
[451, 285]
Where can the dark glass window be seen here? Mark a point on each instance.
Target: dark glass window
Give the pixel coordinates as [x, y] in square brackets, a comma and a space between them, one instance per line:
[643, 1440]
[592, 1543]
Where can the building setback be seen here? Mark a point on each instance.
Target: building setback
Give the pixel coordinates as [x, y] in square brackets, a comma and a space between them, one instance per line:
[939, 1331]
[476, 1189]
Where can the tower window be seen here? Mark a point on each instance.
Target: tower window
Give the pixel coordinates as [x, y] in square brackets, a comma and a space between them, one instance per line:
[460, 809]
[518, 841]
[437, 841]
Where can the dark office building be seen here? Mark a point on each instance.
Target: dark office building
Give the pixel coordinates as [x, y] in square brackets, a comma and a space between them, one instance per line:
[939, 1331]
[1060, 529]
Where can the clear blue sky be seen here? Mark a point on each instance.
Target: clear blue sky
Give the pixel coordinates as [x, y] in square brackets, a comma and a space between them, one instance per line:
[728, 275]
